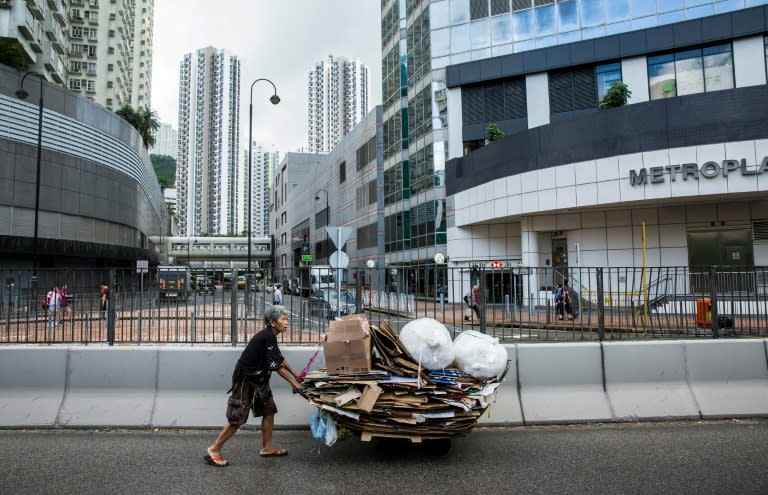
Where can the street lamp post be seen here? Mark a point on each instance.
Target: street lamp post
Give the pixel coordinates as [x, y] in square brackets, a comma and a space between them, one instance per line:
[274, 99]
[23, 94]
[327, 220]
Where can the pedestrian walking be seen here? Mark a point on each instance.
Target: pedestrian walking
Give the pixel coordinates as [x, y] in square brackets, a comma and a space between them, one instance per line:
[250, 390]
[66, 308]
[559, 305]
[567, 300]
[472, 298]
[104, 299]
[277, 296]
[53, 300]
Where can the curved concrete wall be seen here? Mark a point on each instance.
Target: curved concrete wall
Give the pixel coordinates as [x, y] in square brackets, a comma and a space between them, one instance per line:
[97, 184]
[173, 387]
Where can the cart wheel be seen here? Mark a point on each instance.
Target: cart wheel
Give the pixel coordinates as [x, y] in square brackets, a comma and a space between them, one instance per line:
[440, 446]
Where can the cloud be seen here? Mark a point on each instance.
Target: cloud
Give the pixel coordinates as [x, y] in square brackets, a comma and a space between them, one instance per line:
[275, 39]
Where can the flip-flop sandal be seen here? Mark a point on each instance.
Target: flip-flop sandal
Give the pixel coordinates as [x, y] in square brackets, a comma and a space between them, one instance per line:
[274, 453]
[216, 461]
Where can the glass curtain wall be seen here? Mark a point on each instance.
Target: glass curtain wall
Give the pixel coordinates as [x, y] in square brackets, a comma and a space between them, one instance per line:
[464, 30]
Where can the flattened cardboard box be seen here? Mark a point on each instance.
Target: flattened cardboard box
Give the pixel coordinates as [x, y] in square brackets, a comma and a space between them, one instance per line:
[347, 347]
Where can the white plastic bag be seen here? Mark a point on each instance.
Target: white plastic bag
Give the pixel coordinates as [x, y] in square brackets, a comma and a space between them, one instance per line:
[330, 430]
[429, 342]
[480, 355]
[323, 427]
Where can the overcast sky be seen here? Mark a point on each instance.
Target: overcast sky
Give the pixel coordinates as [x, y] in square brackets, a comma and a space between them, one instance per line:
[275, 39]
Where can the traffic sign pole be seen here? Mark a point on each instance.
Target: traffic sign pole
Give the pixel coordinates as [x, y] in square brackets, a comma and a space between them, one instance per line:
[338, 259]
[338, 273]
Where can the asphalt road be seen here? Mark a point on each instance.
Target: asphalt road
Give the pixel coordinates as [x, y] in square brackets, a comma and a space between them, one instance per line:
[649, 458]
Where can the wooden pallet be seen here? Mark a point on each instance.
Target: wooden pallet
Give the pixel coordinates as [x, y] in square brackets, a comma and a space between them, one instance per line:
[367, 436]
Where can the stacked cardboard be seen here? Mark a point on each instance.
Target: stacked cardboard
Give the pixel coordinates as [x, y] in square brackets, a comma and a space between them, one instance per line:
[394, 396]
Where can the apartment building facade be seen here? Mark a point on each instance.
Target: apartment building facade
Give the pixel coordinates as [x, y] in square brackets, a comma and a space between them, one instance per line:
[99, 49]
[264, 161]
[166, 141]
[209, 130]
[337, 100]
[42, 30]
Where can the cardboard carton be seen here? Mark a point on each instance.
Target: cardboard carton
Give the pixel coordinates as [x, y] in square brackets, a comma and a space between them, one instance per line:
[347, 346]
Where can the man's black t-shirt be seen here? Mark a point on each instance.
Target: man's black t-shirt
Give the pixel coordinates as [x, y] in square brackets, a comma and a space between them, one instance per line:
[259, 358]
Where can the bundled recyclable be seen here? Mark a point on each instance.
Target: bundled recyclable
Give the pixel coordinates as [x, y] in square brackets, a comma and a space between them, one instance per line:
[420, 385]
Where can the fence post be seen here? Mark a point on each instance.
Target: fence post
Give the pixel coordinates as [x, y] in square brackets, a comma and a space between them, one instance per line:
[359, 292]
[233, 307]
[111, 301]
[713, 302]
[600, 305]
[483, 299]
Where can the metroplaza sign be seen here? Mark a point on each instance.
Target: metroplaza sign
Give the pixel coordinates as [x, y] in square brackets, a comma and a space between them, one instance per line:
[685, 171]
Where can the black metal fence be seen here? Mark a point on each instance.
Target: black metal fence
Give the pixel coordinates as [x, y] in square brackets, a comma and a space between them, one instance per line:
[515, 303]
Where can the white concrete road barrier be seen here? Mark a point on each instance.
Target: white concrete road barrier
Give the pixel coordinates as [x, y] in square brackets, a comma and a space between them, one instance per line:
[647, 380]
[562, 383]
[729, 378]
[183, 387]
[109, 387]
[31, 385]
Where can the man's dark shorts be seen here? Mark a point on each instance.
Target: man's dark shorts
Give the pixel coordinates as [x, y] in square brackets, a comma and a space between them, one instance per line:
[247, 397]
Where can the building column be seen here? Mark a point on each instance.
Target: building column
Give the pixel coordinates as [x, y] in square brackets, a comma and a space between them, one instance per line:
[530, 242]
[530, 259]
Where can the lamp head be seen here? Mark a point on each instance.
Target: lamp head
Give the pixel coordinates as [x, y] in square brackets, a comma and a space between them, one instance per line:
[317, 198]
[274, 99]
[22, 93]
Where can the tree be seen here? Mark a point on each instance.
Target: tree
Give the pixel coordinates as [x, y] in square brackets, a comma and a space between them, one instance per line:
[617, 96]
[164, 182]
[494, 133]
[12, 54]
[143, 120]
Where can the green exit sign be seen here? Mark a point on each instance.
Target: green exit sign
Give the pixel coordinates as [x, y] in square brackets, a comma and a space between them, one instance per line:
[306, 258]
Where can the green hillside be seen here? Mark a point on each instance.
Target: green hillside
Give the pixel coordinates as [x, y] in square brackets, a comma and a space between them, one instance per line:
[165, 169]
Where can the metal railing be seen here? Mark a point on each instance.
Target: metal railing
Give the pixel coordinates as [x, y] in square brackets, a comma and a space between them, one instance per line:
[516, 304]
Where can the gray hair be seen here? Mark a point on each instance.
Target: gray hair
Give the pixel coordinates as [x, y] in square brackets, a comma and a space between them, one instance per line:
[273, 314]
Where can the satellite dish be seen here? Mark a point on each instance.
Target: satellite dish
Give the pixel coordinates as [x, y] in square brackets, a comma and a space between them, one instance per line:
[439, 258]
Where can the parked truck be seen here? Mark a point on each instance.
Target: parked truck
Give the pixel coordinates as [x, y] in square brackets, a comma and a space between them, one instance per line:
[315, 277]
[174, 282]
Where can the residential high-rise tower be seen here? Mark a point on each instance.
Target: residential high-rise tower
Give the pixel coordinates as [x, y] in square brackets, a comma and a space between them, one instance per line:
[166, 141]
[337, 100]
[207, 165]
[263, 162]
[101, 50]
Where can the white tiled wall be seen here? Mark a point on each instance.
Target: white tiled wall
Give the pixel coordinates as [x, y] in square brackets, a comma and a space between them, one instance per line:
[594, 203]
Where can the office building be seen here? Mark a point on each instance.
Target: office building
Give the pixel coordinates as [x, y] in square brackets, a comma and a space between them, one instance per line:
[209, 130]
[342, 189]
[674, 178]
[415, 134]
[337, 100]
